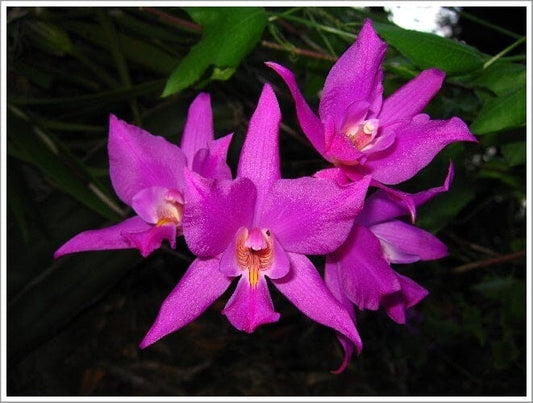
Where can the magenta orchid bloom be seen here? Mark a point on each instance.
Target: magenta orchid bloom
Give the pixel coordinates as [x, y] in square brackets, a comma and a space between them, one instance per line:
[147, 174]
[260, 226]
[359, 272]
[362, 134]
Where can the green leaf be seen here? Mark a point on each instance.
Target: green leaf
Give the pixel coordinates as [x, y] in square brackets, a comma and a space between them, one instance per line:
[41, 154]
[229, 34]
[504, 112]
[100, 100]
[514, 153]
[135, 50]
[50, 37]
[501, 78]
[428, 50]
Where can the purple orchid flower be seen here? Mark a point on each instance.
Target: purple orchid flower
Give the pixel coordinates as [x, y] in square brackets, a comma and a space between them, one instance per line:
[362, 134]
[359, 271]
[147, 174]
[260, 226]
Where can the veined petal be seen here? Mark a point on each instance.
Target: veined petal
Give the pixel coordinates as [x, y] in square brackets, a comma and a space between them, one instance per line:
[150, 240]
[332, 280]
[138, 160]
[312, 215]
[210, 162]
[309, 122]
[198, 130]
[250, 307]
[278, 260]
[259, 160]
[411, 98]
[416, 145]
[404, 243]
[214, 211]
[380, 206]
[357, 75]
[199, 287]
[304, 287]
[105, 238]
[410, 294]
[365, 274]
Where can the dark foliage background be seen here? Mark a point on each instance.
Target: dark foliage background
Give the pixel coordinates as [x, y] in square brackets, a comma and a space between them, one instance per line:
[74, 324]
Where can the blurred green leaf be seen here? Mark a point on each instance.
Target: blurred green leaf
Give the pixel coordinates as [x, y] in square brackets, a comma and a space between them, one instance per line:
[429, 50]
[473, 323]
[135, 50]
[504, 350]
[50, 37]
[23, 136]
[100, 100]
[499, 170]
[501, 78]
[514, 153]
[229, 34]
[502, 113]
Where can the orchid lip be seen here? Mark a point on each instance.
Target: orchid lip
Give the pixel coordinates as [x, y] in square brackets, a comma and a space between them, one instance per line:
[171, 210]
[362, 134]
[255, 252]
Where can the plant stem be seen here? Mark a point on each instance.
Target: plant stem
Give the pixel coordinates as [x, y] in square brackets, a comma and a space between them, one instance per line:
[298, 51]
[504, 52]
[489, 262]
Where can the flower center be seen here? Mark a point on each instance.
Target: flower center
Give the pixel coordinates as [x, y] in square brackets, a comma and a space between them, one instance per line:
[362, 134]
[255, 251]
[171, 210]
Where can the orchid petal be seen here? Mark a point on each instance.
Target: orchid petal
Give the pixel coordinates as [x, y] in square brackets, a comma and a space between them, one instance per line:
[412, 97]
[357, 75]
[396, 304]
[332, 280]
[416, 145]
[365, 274]
[228, 261]
[138, 160]
[154, 203]
[105, 238]
[309, 122]
[381, 207]
[210, 162]
[341, 150]
[312, 215]
[280, 261]
[199, 287]
[250, 307]
[335, 174]
[404, 243]
[259, 160]
[198, 130]
[304, 287]
[401, 200]
[214, 211]
[150, 240]
[426, 195]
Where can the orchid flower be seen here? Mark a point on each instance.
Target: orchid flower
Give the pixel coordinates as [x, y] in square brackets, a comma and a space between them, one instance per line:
[260, 226]
[359, 271]
[362, 134]
[147, 174]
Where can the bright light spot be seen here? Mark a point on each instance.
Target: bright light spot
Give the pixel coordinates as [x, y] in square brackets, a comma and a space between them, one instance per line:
[424, 18]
